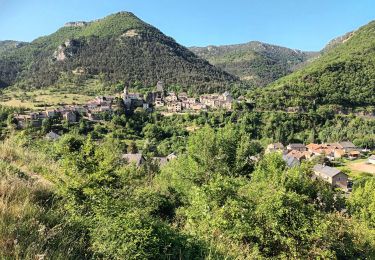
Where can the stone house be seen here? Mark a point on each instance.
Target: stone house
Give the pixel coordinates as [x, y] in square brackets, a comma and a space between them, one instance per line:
[291, 161]
[331, 175]
[28, 120]
[297, 154]
[174, 106]
[137, 159]
[296, 147]
[161, 161]
[354, 155]
[52, 136]
[93, 116]
[70, 116]
[171, 97]
[275, 147]
[217, 101]
[50, 113]
[347, 146]
[183, 96]
[313, 147]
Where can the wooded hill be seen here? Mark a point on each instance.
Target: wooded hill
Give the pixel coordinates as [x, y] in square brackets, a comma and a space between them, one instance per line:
[255, 62]
[119, 47]
[10, 45]
[343, 76]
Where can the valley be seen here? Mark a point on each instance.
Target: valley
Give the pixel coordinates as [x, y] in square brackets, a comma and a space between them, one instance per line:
[117, 142]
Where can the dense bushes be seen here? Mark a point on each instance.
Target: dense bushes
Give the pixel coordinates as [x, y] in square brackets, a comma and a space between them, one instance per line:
[214, 201]
[31, 221]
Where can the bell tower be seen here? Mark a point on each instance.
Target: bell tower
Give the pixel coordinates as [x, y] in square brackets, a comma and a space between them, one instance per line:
[126, 91]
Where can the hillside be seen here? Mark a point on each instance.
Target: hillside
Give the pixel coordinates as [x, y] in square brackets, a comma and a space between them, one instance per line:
[344, 76]
[119, 47]
[255, 62]
[10, 45]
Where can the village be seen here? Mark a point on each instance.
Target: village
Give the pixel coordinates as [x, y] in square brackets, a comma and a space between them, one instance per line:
[293, 154]
[174, 103]
[170, 102]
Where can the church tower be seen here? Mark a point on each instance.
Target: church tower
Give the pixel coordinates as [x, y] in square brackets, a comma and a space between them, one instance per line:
[126, 98]
[126, 91]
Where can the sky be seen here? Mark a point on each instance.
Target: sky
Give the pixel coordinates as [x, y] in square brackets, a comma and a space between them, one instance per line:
[299, 24]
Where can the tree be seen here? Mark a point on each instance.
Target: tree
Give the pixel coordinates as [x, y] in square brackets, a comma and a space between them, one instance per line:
[362, 202]
[47, 125]
[132, 147]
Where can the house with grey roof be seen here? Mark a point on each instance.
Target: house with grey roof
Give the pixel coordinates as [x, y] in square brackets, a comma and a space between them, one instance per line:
[275, 147]
[333, 176]
[347, 146]
[137, 159]
[297, 147]
[52, 136]
[291, 161]
[161, 161]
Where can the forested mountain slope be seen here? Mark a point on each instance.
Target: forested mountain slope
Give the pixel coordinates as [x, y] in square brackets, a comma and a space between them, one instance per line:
[10, 45]
[119, 47]
[344, 76]
[255, 62]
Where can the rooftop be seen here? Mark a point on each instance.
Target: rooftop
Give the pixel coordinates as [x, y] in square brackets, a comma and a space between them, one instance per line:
[133, 158]
[297, 145]
[326, 170]
[347, 144]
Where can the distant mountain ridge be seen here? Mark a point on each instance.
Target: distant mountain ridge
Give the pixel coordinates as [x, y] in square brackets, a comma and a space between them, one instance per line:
[255, 62]
[119, 47]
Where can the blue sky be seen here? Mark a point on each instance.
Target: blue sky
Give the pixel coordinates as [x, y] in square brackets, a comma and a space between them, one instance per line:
[299, 24]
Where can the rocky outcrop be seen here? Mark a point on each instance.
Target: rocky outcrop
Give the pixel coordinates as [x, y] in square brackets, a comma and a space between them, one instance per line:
[66, 50]
[76, 24]
[338, 41]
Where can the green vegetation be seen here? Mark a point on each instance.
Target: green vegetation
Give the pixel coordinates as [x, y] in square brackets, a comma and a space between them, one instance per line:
[32, 222]
[117, 48]
[210, 203]
[214, 201]
[6, 46]
[222, 197]
[40, 99]
[256, 63]
[342, 77]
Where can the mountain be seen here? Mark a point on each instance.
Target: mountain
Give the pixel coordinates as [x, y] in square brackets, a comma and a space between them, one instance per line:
[343, 76]
[119, 47]
[255, 62]
[10, 45]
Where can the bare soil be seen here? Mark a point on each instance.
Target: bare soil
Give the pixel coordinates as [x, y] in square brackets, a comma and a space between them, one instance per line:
[362, 167]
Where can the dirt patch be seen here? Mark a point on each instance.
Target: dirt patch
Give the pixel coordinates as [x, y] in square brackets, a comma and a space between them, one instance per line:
[362, 167]
[131, 33]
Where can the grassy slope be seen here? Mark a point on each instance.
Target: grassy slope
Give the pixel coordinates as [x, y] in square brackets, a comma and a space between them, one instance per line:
[32, 224]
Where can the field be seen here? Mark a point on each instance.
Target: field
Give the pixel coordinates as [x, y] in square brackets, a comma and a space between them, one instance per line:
[66, 93]
[358, 168]
[41, 98]
[361, 166]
